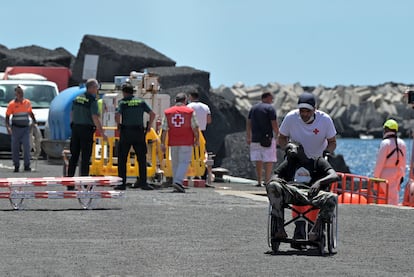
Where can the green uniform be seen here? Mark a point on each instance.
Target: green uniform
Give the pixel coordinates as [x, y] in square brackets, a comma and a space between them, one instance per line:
[83, 128]
[132, 133]
[84, 106]
[132, 110]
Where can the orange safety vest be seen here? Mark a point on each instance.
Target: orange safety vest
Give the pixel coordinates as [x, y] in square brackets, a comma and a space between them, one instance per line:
[180, 131]
[20, 112]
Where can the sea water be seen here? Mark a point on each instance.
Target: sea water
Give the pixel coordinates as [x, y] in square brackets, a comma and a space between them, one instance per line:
[360, 156]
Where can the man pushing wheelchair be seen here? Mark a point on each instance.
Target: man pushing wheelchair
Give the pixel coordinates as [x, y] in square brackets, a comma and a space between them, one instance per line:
[301, 181]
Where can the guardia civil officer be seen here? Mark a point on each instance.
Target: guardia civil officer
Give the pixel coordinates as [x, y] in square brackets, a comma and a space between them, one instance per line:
[84, 121]
[130, 119]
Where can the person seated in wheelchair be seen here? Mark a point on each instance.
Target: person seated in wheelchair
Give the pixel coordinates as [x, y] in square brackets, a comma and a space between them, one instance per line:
[301, 181]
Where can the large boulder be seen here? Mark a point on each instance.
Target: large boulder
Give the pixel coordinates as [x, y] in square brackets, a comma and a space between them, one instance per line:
[34, 56]
[117, 57]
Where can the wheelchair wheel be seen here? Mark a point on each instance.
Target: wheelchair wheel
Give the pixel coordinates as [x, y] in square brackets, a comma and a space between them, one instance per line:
[332, 232]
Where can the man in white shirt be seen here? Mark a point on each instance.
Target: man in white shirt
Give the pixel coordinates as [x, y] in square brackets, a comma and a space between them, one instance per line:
[202, 111]
[312, 128]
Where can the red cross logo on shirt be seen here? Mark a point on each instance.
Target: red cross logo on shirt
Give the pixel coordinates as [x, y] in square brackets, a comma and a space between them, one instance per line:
[315, 131]
[177, 120]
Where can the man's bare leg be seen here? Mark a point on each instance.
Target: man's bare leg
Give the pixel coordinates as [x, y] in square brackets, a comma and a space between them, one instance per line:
[259, 167]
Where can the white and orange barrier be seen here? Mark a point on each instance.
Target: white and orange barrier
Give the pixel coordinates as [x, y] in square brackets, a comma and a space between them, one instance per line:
[409, 194]
[356, 189]
[86, 189]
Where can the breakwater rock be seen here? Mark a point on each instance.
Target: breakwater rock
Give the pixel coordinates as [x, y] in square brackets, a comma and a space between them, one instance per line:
[355, 110]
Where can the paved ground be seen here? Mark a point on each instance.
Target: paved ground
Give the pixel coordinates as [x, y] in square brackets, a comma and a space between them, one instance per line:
[204, 232]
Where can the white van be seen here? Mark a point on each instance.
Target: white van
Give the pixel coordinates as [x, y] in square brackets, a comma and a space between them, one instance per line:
[37, 89]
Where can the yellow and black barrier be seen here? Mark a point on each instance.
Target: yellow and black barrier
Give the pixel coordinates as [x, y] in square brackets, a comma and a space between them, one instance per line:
[104, 160]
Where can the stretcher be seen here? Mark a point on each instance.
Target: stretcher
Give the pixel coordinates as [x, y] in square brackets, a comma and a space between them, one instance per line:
[86, 189]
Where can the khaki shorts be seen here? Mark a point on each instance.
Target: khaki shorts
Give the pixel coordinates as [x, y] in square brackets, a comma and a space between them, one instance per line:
[264, 154]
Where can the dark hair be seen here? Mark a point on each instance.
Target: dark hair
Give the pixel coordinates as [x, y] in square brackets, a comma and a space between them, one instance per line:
[294, 150]
[128, 88]
[18, 87]
[266, 94]
[195, 94]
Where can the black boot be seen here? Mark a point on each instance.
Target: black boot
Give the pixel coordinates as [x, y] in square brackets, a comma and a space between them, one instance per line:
[120, 187]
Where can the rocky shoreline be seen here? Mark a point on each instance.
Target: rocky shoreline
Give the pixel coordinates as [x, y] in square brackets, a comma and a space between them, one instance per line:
[356, 110]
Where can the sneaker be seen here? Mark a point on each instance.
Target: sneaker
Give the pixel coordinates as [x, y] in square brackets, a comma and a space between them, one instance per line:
[16, 169]
[178, 187]
[27, 168]
[120, 187]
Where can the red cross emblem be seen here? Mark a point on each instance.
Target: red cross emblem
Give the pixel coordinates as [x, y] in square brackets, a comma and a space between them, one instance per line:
[315, 131]
[177, 120]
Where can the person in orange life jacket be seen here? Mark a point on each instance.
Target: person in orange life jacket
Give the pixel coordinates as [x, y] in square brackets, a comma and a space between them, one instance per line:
[20, 108]
[391, 160]
[84, 121]
[129, 117]
[180, 123]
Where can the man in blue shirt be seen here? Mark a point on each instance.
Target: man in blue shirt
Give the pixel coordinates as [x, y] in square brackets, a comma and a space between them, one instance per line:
[262, 127]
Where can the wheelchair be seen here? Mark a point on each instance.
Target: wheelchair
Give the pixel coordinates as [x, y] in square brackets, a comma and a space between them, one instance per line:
[328, 232]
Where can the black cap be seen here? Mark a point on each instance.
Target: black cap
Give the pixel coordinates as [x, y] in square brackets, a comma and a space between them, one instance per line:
[307, 101]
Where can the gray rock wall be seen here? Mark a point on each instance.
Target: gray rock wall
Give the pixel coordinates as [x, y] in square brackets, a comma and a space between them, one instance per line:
[355, 110]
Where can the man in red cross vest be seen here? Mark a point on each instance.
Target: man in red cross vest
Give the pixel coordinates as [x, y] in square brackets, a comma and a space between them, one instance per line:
[180, 124]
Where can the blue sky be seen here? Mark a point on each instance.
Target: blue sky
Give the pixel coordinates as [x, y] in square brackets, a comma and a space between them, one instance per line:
[313, 42]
